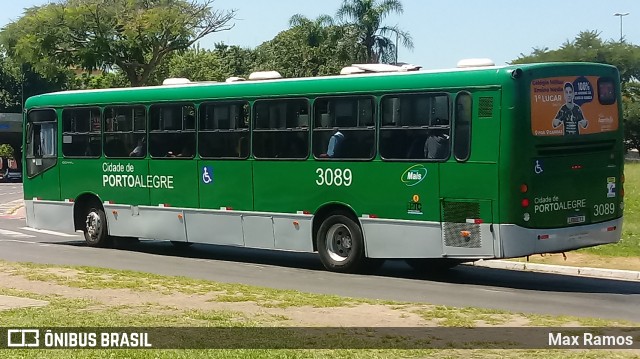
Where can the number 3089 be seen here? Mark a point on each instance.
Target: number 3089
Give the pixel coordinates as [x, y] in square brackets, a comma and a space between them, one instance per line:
[604, 209]
[334, 177]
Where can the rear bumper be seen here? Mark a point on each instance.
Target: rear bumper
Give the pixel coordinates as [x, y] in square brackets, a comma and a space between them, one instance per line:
[519, 241]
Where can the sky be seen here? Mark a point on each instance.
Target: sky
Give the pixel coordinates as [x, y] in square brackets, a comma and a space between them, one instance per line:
[443, 32]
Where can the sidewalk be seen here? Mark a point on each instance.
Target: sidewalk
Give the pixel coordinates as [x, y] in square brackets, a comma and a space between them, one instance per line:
[557, 269]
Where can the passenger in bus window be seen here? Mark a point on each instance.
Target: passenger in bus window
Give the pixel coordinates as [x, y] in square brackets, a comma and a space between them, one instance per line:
[95, 122]
[437, 145]
[109, 124]
[570, 114]
[141, 148]
[336, 142]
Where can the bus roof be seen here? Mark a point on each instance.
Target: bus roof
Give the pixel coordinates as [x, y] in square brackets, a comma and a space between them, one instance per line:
[346, 84]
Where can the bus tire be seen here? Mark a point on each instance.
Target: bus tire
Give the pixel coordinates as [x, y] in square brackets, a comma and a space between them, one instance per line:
[340, 244]
[95, 229]
[432, 265]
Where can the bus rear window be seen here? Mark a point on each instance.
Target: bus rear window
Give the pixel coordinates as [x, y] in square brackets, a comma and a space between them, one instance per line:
[606, 91]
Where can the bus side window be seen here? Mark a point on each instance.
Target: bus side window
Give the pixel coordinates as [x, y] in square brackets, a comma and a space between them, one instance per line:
[415, 126]
[278, 131]
[462, 134]
[172, 130]
[344, 128]
[81, 135]
[125, 125]
[224, 130]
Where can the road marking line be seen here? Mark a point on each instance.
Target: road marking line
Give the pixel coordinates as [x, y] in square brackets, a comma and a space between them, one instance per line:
[6, 232]
[18, 241]
[49, 232]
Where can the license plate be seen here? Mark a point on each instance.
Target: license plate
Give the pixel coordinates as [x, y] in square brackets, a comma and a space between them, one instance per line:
[576, 219]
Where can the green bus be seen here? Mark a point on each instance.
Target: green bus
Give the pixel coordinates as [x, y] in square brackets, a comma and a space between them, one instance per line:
[435, 167]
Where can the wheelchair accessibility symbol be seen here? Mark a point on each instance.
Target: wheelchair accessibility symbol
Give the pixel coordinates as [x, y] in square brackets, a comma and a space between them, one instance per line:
[207, 174]
[538, 168]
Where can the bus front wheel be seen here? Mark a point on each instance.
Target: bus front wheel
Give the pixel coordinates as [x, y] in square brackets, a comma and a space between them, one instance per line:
[95, 229]
[340, 244]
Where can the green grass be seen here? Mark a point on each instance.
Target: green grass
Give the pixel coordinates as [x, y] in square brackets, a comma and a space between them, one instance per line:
[464, 317]
[65, 311]
[102, 278]
[629, 245]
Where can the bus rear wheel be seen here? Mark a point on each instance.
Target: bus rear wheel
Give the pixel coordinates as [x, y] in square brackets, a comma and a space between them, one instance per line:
[95, 228]
[340, 244]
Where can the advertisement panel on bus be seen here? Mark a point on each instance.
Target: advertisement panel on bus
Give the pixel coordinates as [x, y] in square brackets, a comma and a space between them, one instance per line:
[573, 105]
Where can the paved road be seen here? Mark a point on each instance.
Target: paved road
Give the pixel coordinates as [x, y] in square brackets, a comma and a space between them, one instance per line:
[10, 196]
[464, 286]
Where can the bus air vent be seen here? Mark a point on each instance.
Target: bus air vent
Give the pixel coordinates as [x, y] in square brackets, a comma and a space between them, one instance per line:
[485, 107]
[176, 81]
[265, 75]
[482, 62]
[377, 68]
[234, 79]
[454, 218]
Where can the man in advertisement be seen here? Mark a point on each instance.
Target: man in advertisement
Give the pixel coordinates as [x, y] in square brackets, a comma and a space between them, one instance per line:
[570, 114]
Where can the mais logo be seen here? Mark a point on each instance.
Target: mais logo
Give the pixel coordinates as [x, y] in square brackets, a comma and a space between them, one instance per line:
[414, 175]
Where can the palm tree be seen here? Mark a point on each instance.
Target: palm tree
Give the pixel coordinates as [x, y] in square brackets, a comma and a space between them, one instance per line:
[315, 30]
[366, 17]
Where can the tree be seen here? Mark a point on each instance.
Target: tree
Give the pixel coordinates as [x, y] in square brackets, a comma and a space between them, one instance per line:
[20, 81]
[234, 60]
[6, 151]
[314, 31]
[302, 51]
[366, 17]
[133, 36]
[588, 46]
[199, 64]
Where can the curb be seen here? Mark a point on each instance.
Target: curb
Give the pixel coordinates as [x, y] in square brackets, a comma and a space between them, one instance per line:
[557, 269]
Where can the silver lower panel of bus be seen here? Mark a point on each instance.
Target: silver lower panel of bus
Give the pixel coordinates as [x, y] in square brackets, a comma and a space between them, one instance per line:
[256, 230]
[412, 239]
[519, 241]
[383, 238]
[50, 215]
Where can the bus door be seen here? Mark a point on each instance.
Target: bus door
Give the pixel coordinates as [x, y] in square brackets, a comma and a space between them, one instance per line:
[469, 179]
[223, 174]
[172, 168]
[42, 180]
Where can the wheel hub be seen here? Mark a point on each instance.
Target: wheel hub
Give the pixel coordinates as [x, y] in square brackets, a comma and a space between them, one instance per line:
[339, 242]
[93, 224]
